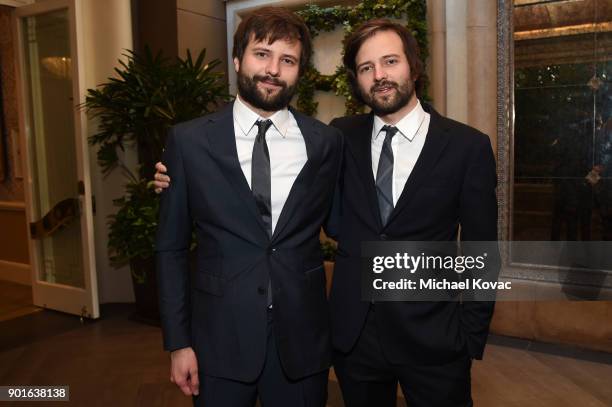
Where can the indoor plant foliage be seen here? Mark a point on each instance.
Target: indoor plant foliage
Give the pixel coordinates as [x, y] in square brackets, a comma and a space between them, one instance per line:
[150, 94]
[132, 229]
[136, 108]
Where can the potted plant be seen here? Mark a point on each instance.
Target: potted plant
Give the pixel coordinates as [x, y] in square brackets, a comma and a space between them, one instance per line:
[149, 95]
[131, 239]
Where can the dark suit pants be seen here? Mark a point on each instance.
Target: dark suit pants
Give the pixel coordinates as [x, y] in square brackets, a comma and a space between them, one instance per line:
[273, 387]
[367, 379]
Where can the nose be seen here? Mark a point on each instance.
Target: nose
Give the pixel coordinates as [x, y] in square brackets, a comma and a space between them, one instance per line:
[272, 68]
[379, 73]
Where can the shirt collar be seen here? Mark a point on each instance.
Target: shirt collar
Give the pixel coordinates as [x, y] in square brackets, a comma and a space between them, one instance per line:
[246, 118]
[407, 126]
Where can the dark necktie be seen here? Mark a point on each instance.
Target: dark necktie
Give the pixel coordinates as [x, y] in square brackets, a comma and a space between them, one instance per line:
[261, 181]
[260, 174]
[384, 175]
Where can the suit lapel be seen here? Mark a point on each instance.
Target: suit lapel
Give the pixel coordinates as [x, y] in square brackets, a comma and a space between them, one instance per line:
[436, 139]
[361, 145]
[223, 145]
[303, 182]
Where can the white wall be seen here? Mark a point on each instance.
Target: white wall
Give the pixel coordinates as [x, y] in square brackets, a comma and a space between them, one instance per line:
[108, 32]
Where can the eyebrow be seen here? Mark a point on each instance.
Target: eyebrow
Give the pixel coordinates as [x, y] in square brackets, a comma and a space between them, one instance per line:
[383, 57]
[255, 49]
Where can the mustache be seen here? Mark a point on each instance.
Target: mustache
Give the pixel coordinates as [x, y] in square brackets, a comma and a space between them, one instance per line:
[384, 84]
[269, 79]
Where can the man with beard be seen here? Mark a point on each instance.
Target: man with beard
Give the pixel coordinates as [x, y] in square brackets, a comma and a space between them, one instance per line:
[408, 174]
[252, 321]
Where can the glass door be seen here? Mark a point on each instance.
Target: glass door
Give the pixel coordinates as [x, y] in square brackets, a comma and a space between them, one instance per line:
[58, 197]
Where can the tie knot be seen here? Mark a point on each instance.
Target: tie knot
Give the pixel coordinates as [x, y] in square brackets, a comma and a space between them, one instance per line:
[390, 131]
[263, 125]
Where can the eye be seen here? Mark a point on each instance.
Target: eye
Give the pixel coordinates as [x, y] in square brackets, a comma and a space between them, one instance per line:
[260, 54]
[288, 61]
[365, 68]
[392, 61]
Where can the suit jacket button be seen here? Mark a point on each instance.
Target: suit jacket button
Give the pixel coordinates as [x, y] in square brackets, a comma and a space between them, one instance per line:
[383, 237]
[261, 290]
[271, 250]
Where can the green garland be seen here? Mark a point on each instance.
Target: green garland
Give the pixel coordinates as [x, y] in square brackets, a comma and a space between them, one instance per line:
[350, 17]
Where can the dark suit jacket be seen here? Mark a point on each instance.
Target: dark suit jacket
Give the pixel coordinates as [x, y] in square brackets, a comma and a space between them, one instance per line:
[224, 317]
[453, 183]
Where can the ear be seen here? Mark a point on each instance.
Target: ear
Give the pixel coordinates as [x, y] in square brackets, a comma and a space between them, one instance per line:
[414, 75]
[236, 64]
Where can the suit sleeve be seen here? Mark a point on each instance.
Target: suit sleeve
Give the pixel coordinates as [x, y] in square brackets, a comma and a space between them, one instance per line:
[172, 251]
[332, 224]
[478, 218]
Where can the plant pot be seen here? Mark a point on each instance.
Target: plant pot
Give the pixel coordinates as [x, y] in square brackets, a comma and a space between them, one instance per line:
[144, 279]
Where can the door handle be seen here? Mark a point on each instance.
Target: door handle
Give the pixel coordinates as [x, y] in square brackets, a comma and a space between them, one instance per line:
[61, 215]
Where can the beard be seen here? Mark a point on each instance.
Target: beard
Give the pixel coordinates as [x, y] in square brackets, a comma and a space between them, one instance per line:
[391, 103]
[261, 98]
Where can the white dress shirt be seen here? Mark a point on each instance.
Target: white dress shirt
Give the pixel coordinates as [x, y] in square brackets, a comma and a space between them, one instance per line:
[406, 145]
[285, 144]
